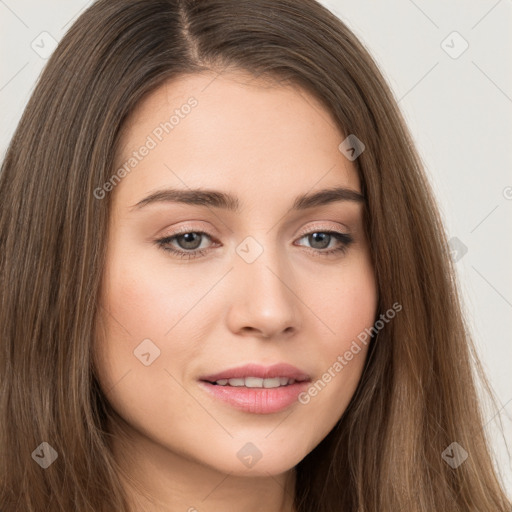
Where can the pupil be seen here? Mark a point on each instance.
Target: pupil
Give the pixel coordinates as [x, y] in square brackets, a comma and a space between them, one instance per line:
[189, 242]
[323, 238]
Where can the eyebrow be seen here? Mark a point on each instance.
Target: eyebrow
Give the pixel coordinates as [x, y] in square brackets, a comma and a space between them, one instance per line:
[218, 199]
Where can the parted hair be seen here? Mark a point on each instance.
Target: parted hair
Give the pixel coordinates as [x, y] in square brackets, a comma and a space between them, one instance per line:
[418, 391]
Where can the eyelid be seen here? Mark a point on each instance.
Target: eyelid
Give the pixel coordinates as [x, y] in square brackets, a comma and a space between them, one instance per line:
[321, 226]
[189, 229]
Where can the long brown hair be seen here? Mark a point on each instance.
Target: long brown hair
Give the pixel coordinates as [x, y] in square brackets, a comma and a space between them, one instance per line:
[417, 394]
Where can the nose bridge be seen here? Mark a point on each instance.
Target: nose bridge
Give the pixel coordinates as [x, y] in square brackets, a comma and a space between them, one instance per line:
[264, 300]
[263, 262]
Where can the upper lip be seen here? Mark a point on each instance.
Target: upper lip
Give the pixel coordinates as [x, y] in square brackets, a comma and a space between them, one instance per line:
[256, 370]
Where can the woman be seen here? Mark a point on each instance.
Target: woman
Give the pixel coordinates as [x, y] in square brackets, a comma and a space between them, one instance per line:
[225, 283]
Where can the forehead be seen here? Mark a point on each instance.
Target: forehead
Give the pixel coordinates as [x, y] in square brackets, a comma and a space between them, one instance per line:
[232, 131]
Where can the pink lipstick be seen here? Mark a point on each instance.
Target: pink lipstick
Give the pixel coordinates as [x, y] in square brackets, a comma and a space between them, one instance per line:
[257, 389]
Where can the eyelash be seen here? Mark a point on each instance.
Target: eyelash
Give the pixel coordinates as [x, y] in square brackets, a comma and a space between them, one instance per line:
[163, 243]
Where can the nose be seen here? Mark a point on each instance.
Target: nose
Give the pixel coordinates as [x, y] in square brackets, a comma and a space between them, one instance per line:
[263, 299]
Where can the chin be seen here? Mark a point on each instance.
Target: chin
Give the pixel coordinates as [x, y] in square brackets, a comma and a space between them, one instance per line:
[258, 459]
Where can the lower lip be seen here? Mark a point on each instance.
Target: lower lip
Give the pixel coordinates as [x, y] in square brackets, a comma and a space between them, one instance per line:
[257, 400]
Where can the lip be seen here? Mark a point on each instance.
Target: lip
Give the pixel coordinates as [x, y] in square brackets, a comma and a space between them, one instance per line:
[258, 400]
[262, 372]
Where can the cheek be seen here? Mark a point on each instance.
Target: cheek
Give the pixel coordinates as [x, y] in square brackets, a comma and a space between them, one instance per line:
[142, 316]
[137, 313]
[348, 308]
[353, 306]
[148, 298]
[148, 308]
[345, 301]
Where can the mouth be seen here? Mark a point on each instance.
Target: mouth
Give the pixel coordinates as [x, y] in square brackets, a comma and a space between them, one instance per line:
[256, 382]
[257, 389]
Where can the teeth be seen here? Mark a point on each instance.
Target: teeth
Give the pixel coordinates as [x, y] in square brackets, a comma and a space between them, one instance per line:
[256, 382]
[272, 383]
[237, 382]
[253, 382]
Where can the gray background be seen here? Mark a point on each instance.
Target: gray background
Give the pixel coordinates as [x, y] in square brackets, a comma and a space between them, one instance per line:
[458, 105]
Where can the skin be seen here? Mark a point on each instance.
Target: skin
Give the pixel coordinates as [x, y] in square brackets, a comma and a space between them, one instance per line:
[266, 144]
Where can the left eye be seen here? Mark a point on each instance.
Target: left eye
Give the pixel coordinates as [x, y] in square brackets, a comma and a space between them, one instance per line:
[323, 238]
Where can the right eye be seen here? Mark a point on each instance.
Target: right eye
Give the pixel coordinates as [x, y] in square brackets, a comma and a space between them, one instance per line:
[188, 244]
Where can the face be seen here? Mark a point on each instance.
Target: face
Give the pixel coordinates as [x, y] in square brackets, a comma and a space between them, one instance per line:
[243, 285]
